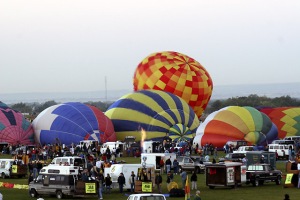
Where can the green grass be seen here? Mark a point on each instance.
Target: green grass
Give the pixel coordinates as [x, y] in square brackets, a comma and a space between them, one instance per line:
[246, 192]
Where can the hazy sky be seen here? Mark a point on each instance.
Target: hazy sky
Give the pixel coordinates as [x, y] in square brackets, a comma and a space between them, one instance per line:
[72, 45]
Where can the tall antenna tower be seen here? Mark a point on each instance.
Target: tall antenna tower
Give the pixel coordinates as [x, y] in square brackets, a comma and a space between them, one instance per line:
[105, 89]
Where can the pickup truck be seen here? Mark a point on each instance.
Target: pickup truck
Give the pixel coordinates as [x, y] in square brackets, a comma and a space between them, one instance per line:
[258, 174]
[233, 157]
[190, 164]
[146, 196]
[244, 149]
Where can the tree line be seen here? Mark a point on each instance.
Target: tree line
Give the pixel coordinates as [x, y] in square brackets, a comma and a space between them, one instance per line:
[253, 100]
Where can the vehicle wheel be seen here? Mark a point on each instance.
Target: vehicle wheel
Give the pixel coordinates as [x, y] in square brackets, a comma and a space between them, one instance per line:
[3, 175]
[256, 183]
[59, 194]
[278, 180]
[33, 193]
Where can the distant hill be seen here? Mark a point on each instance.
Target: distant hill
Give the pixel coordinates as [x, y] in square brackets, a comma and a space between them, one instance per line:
[219, 92]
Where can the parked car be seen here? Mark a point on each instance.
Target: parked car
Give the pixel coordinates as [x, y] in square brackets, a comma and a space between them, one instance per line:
[233, 157]
[189, 164]
[258, 174]
[146, 196]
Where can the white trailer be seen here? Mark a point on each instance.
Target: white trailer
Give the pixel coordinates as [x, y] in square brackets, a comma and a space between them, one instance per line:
[154, 158]
[115, 170]
[112, 146]
[151, 146]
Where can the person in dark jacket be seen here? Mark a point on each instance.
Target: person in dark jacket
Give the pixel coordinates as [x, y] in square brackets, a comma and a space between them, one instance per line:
[158, 181]
[121, 182]
[194, 181]
[100, 179]
[175, 166]
[108, 183]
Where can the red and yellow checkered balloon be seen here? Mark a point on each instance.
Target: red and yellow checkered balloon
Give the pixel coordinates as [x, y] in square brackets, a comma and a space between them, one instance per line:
[178, 74]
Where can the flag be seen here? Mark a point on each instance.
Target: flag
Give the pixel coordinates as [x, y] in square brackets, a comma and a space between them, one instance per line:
[187, 189]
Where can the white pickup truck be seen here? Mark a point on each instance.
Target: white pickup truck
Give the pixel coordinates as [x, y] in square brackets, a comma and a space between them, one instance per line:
[146, 196]
[244, 149]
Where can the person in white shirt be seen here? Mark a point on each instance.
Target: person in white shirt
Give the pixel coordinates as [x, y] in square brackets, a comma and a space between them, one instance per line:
[298, 167]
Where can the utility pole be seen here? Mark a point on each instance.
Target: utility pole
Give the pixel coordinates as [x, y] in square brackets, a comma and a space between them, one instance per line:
[105, 90]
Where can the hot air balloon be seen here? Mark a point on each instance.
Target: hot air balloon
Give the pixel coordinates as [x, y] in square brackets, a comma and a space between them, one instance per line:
[72, 122]
[236, 123]
[287, 120]
[158, 113]
[14, 128]
[178, 74]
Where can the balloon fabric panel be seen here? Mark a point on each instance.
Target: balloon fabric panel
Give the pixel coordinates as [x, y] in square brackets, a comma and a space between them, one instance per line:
[245, 116]
[154, 111]
[72, 122]
[231, 118]
[14, 128]
[223, 128]
[286, 119]
[175, 73]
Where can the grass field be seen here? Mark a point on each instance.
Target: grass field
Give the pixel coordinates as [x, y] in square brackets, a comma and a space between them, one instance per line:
[246, 192]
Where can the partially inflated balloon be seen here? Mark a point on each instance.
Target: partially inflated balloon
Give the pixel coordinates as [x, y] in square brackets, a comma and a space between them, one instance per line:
[14, 128]
[178, 74]
[287, 120]
[157, 112]
[72, 122]
[236, 123]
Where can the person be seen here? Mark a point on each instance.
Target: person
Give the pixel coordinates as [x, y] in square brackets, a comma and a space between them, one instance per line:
[168, 165]
[108, 183]
[158, 181]
[131, 181]
[245, 160]
[161, 165]
[286, 197]
[290, 153]
[262, 159]
[121, 182]
[194, 181]
[85, 175]
[197, 196]
[298, 167]
[30, 178]
[168, 179]
[175, 166]
[100, 179]
[183, 176]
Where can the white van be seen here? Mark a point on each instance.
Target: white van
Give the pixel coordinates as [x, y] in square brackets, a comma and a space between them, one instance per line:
[281, 149]
[62, 181]
[112, 146]
[283, 142]
[292, 138]
[154, 158]
[115, 170]
[151, 146]
[9, 168]
[70, 160]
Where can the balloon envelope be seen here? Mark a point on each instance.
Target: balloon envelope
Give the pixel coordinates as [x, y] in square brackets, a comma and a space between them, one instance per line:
[159, 113]
[178, 74]
[236, 123]
[287, 120]
[72, 122]
[14, 128]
